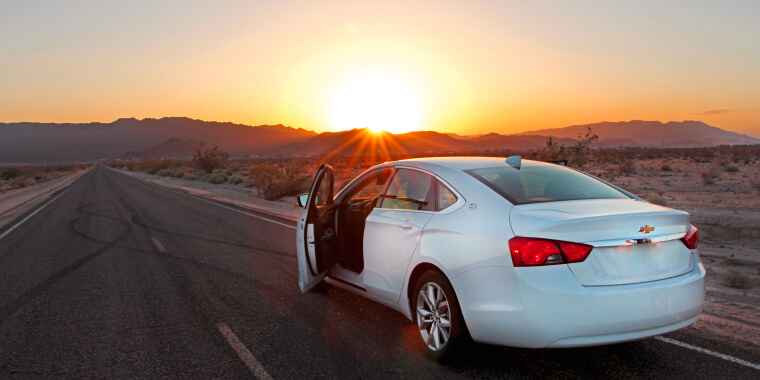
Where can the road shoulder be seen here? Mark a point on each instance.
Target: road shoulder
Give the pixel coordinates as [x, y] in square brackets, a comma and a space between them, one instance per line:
[14, 205]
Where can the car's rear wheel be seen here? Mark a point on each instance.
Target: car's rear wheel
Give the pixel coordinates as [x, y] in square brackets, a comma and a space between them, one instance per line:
[437, 314]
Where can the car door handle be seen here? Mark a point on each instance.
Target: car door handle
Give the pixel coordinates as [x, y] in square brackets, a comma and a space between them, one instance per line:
[407, 224]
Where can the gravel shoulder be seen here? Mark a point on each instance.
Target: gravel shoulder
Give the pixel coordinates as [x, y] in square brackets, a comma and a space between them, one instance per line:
[15, 203]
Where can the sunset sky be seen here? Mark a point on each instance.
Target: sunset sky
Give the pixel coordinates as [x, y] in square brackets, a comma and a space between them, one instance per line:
[465, 67]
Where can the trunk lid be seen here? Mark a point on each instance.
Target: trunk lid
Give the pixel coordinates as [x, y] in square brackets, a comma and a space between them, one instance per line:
[624, 253]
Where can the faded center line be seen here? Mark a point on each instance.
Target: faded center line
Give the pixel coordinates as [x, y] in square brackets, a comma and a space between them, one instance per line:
[158, 244]
[243, 352]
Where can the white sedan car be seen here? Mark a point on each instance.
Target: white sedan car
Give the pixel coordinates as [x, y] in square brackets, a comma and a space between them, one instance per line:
[511, 252]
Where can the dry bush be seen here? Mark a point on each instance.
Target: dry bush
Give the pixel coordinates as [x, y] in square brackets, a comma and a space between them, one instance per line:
[627, 167]
[731, 168]
[735, 278]
[666, 168]
[236, 179]
[276, 180]
[709, 178]
[217, 179]
[10, 173]
[209, 160]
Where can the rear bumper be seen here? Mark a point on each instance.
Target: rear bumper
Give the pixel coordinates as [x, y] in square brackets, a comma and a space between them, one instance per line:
[547, 307]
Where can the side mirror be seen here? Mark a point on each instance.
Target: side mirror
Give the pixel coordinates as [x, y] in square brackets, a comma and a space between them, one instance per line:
[302, 199]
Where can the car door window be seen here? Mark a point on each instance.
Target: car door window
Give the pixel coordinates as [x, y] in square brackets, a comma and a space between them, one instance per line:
[445, 197]
[371, 187]
[410, 190]
[324, 191]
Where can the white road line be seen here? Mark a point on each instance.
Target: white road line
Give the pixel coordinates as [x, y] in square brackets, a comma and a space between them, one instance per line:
[158, 244]
[233, 209]
[216, 204]
[243, 352]
[32, 214]
[708, 352]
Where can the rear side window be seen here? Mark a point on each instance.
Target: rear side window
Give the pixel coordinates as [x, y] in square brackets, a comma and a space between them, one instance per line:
[550, 183]
[445, 197]
[410, 190]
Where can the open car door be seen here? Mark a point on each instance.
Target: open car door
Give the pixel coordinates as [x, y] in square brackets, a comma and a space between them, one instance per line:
[316, 239]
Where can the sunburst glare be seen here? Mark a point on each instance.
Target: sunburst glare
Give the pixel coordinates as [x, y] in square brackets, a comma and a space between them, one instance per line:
[377, 100]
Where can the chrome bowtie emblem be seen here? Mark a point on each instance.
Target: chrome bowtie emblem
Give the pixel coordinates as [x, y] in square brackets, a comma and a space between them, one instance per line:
[646, 229]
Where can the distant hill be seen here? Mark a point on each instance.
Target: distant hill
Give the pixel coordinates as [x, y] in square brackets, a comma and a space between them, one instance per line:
[173, 148]
[176, 137]
[364, 141]
[687, 133]
[516, 142]
[39, 142]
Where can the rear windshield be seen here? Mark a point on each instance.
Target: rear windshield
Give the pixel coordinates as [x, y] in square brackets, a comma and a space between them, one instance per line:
[550, 183]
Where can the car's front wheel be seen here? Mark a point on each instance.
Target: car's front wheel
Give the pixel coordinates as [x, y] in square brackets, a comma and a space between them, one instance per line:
[437, 315]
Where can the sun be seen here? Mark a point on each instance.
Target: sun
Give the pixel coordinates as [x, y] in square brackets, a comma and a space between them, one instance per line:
[377, 100]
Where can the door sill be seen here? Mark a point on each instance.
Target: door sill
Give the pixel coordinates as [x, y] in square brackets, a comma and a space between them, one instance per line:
[347, 283]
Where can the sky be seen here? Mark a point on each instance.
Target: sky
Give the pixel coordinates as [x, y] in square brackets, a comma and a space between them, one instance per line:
[466, 67]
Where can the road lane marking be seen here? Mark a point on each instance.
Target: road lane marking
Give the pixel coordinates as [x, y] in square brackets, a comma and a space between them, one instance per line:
[158, 244]
[213, 203]
[32, 214]
[708, 352]
[207, 201]
[243, 352]
[242, 212]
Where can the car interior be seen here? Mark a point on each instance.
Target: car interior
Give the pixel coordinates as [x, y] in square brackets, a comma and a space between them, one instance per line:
[352, 214]
[342, 223]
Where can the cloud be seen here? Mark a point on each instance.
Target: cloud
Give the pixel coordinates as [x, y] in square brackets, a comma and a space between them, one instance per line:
[708, 112]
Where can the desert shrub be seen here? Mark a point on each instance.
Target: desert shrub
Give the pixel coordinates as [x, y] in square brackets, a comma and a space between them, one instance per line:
[627, 167]
[164, 173]
[216, 179]
[276, 181]
[9, 173]
[709, 178]
[153, 167]
[735, 278]
[660, 192]
[731, 168]
[236, 179]
[209, 159]
[658, 200]
[190, 177]
[666, 168]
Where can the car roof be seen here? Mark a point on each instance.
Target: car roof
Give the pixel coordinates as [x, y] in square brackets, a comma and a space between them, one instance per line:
[467, 162]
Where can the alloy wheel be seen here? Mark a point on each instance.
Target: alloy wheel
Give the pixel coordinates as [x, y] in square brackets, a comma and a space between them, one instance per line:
[433, 316]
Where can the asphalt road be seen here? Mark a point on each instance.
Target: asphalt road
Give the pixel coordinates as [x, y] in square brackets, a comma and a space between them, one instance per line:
[118, 278]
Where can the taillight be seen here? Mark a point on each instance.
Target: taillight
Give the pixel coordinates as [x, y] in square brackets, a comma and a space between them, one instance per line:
[692, 238]
[533, 251]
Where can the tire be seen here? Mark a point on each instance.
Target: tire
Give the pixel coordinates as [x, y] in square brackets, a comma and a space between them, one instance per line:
[440, 322]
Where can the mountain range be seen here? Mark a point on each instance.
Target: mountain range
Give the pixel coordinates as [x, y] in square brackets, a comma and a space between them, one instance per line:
[177, 137]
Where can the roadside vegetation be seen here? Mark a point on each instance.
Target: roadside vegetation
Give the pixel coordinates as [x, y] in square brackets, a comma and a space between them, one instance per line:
[18, 177]
[274, 178]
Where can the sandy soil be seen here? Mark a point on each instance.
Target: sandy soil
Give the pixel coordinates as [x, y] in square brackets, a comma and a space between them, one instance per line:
[16, 202]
